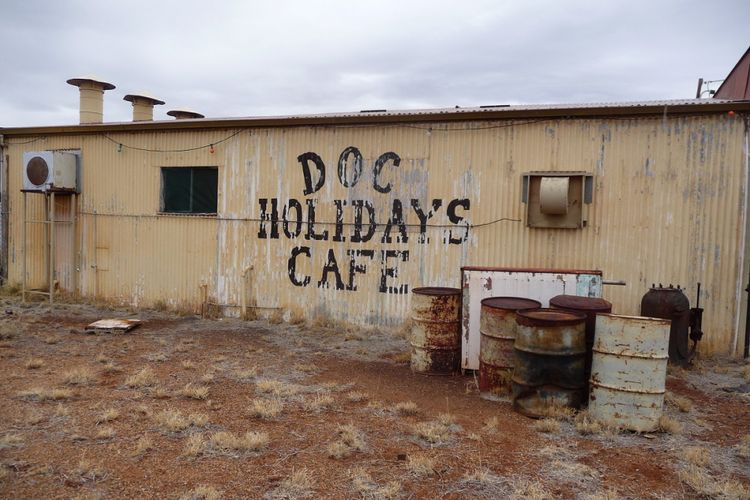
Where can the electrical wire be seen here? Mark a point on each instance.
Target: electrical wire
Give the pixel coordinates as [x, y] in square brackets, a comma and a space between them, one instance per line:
[148, 150]
[280, 221]
[41, 138]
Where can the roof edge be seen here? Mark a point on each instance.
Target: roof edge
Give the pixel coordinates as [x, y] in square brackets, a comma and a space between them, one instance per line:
[395, 117]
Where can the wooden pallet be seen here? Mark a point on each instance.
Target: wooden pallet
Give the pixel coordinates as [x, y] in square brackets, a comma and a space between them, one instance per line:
[113, 325]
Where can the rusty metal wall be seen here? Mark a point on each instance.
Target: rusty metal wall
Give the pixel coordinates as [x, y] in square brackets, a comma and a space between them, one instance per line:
[668, 205]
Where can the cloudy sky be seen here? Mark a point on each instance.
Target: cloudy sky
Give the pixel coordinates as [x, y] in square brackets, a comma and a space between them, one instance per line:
[258, 57]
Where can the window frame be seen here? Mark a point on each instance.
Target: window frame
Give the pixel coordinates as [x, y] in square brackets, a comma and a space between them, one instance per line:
[191, 194]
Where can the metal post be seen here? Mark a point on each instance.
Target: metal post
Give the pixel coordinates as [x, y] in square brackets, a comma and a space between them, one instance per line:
[52, 248]
[73, 222]
[23, 248]
[746, 354]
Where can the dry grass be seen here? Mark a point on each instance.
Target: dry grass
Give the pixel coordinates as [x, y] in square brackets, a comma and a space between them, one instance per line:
[318, 403]
[246, 374]
[208, 378]
[421, 465]
[144, 378]
[277, 317]
[305, 367]
[679, 402]
[157, 357]
[227, 443]
[159, 392]
[34, 363]
[490, 425]
[696, 455]
[436, 432]
[547, 425]
[12, 440]
[746, 373]
[188, 365]
[87, 471]
[406, 408]
[41, 394]
[485, 484]
[297, 316]
[742, 449]
[585, 425]
[558, 411]
[105, 433]
[350, 440]
[401, 357]
[80, 376]
[276, 388]
[669, 425]
[51, 340]
[706, 485]
[357, 397]
[194, 446]
[107, 416]
[202, 493]
[528, 489]
[265, 408]
[172, 421]
[366, 487]
[299, 484]
[142, 446]
[194, 392]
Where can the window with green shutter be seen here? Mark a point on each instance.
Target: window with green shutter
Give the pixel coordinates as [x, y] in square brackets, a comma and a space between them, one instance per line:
[189, 190]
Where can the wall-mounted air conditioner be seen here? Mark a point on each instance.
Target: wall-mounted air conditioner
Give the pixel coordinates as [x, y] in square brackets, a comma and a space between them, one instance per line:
[49, 171]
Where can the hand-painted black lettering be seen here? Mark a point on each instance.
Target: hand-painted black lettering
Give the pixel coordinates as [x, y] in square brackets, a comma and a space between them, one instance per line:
[311, 234]
[396, 219]
[423, 218]
[292, 266]
[357, 236]
[295, 205]
[456, 219]
[305, 159]
[377, 169]
[356, 166]
[354, 267]
[273, 217]
[392, 272]
[331, 266]
[337, 236]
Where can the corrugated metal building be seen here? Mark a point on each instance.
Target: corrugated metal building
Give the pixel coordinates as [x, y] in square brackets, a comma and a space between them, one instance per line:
[343, 214]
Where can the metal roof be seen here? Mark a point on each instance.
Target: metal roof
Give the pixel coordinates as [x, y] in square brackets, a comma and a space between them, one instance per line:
[374, 117]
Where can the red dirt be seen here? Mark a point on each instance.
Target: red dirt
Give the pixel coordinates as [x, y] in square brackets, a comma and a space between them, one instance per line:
[43, 466]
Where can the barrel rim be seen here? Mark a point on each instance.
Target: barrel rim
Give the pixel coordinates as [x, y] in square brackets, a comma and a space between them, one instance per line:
[436, 291]
[580, 303]
[645, 319]
[487, 303]
[529, 317]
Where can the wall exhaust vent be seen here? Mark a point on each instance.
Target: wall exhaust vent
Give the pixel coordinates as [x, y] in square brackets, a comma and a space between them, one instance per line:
[50, 171]
[557, 199]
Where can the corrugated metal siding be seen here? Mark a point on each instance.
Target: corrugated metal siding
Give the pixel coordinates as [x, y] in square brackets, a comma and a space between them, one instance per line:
[667, 208]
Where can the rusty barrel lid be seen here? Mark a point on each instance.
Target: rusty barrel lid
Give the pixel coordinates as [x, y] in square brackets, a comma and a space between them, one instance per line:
[436, 291]
[548, 317]
[511, 303]
[577, 303]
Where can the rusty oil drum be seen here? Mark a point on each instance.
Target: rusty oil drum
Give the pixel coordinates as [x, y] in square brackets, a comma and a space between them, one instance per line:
[497, 328]
[628, 375]
[590, 306]
[550, 352]
[436, 330]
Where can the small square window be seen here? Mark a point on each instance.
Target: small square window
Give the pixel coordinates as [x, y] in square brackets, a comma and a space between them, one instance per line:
[189, 190]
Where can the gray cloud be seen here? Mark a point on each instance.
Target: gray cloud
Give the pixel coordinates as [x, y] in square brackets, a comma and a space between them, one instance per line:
[263, 57]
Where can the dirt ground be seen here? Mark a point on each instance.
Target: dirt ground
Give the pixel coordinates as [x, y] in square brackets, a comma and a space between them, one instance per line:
[184, 407]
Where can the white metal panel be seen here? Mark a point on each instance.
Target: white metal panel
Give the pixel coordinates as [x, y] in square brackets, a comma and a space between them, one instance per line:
[537, 284]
